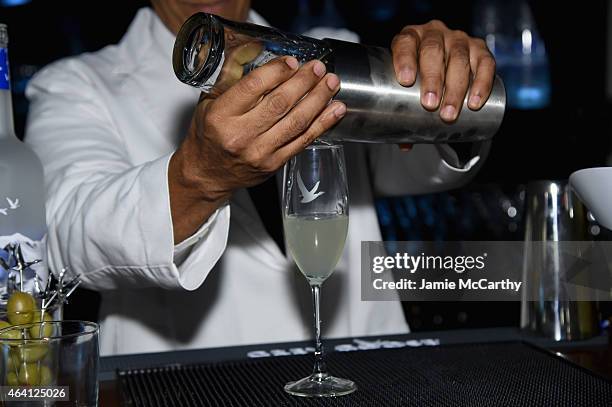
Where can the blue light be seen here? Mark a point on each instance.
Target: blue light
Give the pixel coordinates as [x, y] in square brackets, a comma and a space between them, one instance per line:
[382, 10]
[529, 97]
[383, 14]
[11, 3]
[530, 94]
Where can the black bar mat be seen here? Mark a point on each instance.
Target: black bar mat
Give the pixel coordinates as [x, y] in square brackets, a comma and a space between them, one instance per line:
[502, 374]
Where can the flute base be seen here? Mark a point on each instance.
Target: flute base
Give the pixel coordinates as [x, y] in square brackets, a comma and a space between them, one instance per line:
[320, 385]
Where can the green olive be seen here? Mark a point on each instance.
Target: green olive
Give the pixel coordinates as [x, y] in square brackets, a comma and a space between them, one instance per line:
[9, 334]
[29, 374]
[20, 308]
[11, 379]
[4, 324]
[13, 360]
[10, 364]
[47, 329]
[32, 352]
[45, 375]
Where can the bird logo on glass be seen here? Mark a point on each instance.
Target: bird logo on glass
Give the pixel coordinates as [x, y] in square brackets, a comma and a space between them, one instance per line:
[308, 195]
[13, 204]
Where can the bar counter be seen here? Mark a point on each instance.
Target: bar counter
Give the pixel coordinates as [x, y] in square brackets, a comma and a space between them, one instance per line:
[593, 356]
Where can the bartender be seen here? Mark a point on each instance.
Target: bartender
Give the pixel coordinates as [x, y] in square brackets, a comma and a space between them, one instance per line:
[167, 203]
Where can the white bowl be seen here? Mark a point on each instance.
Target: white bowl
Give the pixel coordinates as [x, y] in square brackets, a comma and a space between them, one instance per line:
[594, 188]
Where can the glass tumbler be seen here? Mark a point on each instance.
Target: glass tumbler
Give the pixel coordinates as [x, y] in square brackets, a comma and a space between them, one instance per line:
[50, 363]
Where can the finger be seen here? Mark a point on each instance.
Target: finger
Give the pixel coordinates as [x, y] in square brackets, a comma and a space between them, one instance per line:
[405, 58]
[276, 104]
[325, 121]
[431, 68]
[302, 115]
[457, 79]
[245, 94]
[483, 66]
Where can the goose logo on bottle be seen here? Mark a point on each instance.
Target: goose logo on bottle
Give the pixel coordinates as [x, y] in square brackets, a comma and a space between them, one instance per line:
[308, 195]
[12, 205]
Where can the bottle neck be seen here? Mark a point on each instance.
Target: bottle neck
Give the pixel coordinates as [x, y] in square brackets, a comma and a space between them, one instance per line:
[7, 129]
[201, 45]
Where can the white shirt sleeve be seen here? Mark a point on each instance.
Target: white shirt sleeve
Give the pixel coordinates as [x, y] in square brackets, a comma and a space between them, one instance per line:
[108, 219]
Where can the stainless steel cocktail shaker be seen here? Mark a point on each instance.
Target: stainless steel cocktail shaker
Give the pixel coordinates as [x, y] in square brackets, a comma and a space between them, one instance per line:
[212, 53]
[380, 110]
[553, 216]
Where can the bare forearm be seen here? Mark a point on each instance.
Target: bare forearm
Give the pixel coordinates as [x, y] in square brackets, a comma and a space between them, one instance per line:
[190, 204]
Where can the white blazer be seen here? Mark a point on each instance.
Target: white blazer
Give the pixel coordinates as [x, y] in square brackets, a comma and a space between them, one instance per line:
[105, 125]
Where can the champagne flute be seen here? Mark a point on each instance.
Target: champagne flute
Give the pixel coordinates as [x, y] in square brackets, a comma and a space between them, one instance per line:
[315, 218]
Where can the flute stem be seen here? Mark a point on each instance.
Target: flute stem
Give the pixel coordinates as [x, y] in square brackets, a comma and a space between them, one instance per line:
[319, 365]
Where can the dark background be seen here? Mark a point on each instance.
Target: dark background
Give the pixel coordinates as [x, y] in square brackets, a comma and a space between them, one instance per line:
[571, 132]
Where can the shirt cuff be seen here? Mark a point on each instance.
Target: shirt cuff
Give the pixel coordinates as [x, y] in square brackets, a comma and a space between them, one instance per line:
[195, 257]
[186, 244]
[198, 260]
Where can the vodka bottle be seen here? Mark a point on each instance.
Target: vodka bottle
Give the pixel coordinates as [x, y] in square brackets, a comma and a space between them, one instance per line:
[22, 200]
